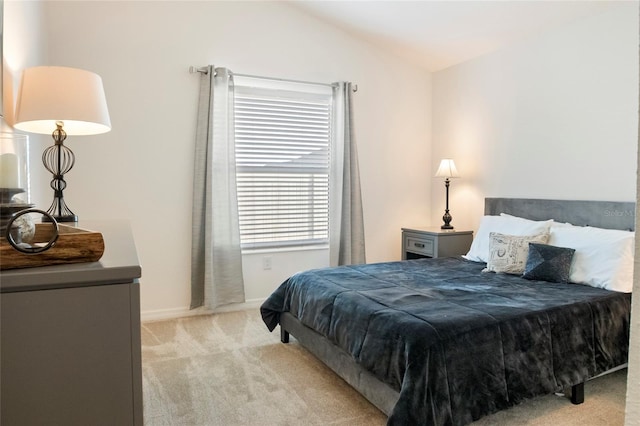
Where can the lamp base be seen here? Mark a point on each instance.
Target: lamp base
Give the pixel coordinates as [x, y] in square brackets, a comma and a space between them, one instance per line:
[58, 160]
[447, 220]
[65, 218]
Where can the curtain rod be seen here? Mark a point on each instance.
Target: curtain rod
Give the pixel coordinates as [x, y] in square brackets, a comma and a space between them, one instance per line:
[205, 70]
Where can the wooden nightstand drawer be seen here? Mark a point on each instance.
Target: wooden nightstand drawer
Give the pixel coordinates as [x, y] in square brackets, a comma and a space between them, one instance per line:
[422, 246]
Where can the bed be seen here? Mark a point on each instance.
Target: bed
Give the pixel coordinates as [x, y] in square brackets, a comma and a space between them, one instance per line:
[445, 342]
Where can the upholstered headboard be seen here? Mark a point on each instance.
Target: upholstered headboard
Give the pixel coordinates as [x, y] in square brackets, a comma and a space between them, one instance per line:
[602, 214]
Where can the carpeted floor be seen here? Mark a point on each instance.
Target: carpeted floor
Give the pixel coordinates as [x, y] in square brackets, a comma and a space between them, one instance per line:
[227, 369]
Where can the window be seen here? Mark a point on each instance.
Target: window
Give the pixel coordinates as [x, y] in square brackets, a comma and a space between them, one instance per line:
[282, 144]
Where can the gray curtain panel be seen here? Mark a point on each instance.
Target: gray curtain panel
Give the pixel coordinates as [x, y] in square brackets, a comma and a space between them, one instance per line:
[346, 239]
[216, 262]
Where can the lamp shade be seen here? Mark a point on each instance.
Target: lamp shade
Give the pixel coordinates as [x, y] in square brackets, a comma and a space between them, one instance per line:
[447, 169]
[70, 95]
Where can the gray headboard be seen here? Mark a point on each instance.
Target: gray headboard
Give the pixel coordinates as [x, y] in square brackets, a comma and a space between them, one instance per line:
[602, 214]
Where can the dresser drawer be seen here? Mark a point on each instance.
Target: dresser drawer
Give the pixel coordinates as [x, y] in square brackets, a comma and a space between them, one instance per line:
[424, 246]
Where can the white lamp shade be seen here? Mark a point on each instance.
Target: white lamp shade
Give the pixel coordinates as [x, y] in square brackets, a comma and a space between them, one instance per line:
[447, 169]
[72, 96]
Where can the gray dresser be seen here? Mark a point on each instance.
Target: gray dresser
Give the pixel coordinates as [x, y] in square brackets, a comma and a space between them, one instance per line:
[70, 339]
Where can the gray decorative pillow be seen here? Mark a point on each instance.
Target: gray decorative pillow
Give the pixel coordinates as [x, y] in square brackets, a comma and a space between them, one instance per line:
[548, 263]
[508, 253]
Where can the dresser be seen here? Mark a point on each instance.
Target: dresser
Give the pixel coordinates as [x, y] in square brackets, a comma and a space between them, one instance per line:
[70, 339]
[434, 242]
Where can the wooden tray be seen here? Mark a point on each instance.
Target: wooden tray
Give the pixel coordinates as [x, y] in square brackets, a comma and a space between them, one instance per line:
[74, 245]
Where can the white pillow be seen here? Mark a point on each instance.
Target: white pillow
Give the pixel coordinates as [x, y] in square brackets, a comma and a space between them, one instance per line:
[603, 257]
[510, 225]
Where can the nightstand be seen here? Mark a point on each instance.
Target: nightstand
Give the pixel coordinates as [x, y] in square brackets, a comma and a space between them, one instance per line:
[434, 242]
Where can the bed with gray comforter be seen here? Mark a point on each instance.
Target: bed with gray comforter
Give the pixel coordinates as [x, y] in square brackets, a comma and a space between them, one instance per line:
[439, 342]
[455, 342]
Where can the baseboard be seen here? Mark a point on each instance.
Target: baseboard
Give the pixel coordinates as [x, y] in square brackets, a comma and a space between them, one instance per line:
[182, 312]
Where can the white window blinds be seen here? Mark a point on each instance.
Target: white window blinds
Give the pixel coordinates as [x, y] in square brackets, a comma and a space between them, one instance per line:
[282, 140]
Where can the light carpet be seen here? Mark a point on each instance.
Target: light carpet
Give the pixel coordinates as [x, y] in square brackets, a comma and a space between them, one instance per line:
[227, 369]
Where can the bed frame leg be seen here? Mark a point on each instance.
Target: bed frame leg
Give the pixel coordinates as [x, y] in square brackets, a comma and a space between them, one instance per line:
[284, 335]
[577, 393]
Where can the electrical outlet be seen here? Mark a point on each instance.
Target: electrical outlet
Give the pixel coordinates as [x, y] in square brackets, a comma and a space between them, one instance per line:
[266, 263]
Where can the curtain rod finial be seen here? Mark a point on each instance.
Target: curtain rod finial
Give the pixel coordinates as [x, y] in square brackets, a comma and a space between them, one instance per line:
[194, 70]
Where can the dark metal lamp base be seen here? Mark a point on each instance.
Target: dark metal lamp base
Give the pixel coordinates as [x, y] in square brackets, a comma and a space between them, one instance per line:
[66, 218]
[447, 218]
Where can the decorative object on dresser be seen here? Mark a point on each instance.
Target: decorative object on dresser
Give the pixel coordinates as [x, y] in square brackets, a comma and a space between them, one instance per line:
[31, 244]
[21, 237]
[447, 170]
[14, 177]
[67, 101]
[434, 242]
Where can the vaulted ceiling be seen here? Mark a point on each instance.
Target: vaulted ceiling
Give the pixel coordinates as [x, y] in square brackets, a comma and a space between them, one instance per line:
[438, 34]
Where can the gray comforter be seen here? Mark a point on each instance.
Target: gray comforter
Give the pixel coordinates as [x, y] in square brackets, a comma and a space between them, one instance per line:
[457, 343]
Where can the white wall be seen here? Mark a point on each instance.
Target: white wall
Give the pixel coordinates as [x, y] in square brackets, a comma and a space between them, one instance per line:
[142, 169]
[554, 116]
[24, 45]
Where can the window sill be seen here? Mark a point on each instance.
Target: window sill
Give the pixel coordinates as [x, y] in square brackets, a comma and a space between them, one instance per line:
[284, 249]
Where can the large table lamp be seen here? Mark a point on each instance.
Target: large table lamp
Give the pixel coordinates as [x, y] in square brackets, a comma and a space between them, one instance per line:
[447, 170]
[65, 101]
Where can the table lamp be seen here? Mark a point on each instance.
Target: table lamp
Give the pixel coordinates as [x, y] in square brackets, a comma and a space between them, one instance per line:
[65, 101]
[447, 170]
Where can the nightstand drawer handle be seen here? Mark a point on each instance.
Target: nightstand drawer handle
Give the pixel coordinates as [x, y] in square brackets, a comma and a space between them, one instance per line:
[420, 245]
